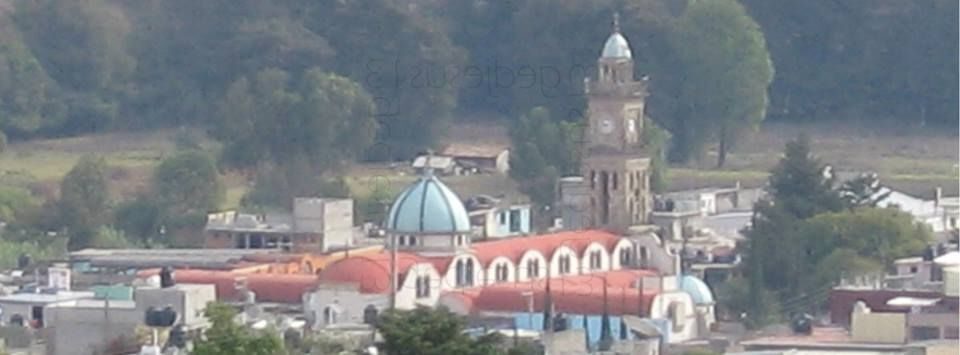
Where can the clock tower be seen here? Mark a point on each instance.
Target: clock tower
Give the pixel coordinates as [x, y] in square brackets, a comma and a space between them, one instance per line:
[615, 169]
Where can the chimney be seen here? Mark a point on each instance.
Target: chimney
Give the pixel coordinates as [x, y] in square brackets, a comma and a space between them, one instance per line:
[937, 194]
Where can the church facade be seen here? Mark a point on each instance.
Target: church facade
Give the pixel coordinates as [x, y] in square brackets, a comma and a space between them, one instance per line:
[432, 260]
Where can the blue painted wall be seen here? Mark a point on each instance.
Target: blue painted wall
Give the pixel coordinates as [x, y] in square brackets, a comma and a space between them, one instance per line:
[594, 325]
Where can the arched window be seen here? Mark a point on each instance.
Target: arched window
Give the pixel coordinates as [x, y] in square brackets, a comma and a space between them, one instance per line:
[643, 256]
[625, 257]
[330, 315]
[461, 273]
[565, 264]
[501, 272]
[469, 275]
[370, 314]
[533, 268]
[595, 260]
[423, 286]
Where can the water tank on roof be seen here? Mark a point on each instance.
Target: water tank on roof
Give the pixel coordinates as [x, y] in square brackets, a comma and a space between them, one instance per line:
[802, 324]
[167, 278]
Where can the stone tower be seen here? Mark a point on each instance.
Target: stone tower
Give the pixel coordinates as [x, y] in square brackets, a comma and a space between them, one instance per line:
[615, 169]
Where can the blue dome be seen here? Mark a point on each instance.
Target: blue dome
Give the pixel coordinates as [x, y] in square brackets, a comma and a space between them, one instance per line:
[428, 206]
[697, 289]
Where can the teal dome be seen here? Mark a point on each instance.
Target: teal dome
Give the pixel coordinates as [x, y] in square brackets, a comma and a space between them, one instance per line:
[428, 207]
[697, 289]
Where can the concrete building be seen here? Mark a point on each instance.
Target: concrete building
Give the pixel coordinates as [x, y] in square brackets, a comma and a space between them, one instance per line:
[495, 219]
[479, 157]
[316, 224]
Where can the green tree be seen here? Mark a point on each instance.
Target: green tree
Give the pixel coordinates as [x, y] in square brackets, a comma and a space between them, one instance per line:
[110, 238]
[29, 98]
[725, 70]
[226, 337]
[863, 191]
[322, 118]
[188, 183]
[140, 218]
[655, 140]
[426, 331]
[84, 200]
[15, 203]
[800, 184]
[83, 46]
[403, 59]
[543, 151]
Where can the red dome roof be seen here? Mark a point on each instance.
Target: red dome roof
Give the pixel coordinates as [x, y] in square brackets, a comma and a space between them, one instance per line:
[370, 272]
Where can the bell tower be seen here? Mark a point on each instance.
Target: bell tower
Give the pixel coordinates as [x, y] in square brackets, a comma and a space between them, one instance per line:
[614, 167]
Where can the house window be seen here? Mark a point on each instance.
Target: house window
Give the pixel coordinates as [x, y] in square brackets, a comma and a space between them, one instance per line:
[461, 273]
[936, 273]
[503, 217]
[469, 275]
[595, 261]
[533, 268]
[615, 180]
[423, 286]
[924, 333]
[564, 265]
[412, 241]
[514, 221]
[330, 315]
[951, 332]
[370, 314]
[625, 256]
[913, 269]
[501, 272]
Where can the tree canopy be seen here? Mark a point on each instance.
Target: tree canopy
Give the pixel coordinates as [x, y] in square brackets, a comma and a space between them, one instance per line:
[84, 200]
[805, 237]
[226, 337]
[725, 70]
[425, 331]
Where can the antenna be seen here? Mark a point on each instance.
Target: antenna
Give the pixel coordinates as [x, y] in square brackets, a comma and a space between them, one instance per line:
[616, 22]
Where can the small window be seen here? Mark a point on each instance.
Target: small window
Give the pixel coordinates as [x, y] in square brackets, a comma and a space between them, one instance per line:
[615, 180]
[501, 272]
[469, 273]
[330, 315]
[951, 332]
[924, 333]
[413, 241]
[514, 221]
[564, 264]
[370, 314]
[595, 260]
[533, 268]
[503, 217]
[423, 286]
[913, 269]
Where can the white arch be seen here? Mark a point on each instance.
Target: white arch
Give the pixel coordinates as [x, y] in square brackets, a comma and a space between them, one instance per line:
[594, 248]
[491, 273]
[449, 279]
[523, 266]
[622, 244]
[407, 294]
[562, 252]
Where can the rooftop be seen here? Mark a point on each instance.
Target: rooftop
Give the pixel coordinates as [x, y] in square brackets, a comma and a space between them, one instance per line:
[45, 298]
[820, 338]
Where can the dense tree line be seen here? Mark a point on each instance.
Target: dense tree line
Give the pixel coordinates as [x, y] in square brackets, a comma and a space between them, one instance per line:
[808, 234]
[69, 67]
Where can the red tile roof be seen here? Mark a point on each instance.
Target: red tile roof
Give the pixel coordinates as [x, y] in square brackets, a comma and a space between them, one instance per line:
[514, 248]
[370, 272]
[580, 294]
[279, 288]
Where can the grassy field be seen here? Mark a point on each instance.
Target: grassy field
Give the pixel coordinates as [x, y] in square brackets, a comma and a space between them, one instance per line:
[914, 162]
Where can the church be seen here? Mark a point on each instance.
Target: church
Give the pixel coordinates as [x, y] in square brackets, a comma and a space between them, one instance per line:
[607, 263]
